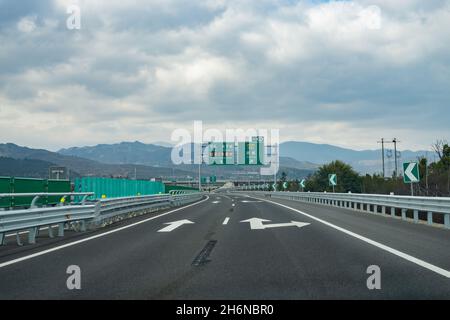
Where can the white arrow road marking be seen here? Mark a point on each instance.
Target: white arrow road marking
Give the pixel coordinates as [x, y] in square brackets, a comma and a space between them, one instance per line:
[225, 222]
[409, 173]
[249, 201]
[216, 202]
[173, 225]
[419, 262]
[257, 224]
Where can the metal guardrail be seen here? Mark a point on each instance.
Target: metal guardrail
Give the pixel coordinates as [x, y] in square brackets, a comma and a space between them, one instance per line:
[113, 210]
[37, 196]
[83, 216]
[435, 208]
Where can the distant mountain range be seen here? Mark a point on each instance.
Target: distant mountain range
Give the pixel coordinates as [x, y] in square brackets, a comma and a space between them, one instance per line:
[125, 159]
[293, 154]
[30, 168]
[124, 153]
[27, 158]
[148, 154]
[160, 156]
[365, 161]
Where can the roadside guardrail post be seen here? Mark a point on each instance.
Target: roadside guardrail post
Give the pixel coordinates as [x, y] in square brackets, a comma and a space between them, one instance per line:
[97, 213]
[32, 235]
[430, 217]
[50, 231]
[2, 239]
[403, 214]
[416, 216]
[447, 220]
[392, 211]
[83, 226]
[61, 229]
[19, 243]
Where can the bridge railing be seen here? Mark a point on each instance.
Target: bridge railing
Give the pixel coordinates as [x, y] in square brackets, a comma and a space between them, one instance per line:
[84, 215]
[436, 210]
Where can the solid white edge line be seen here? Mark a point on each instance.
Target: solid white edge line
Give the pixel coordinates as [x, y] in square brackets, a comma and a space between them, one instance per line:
[398, 253]
[225, 222]
[70, 244]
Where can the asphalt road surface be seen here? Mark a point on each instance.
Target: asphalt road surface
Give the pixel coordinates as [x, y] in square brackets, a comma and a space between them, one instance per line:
[298, 251]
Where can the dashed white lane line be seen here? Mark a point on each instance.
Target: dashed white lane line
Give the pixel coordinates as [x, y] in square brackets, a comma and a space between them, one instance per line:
[225, 222]
[70, 244]
[396, 252]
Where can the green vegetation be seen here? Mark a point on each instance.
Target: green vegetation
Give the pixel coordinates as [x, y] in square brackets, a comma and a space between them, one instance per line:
[435, 178]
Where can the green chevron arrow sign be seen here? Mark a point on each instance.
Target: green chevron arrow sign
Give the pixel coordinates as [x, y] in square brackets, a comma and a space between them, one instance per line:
[274, 186]
[332, 179]
[303, 183]
[285, 185]
[411, 172]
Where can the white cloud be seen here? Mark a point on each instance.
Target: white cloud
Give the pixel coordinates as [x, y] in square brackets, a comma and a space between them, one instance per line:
[341, 72]
[27, 24]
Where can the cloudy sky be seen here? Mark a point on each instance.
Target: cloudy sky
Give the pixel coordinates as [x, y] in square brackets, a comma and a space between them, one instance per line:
[339, 72]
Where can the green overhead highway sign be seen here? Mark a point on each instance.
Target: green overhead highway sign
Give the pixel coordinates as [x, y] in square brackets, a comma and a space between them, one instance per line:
[411, 172]
[332, 179]
[251, 153]
[213, 179]
[221, 153]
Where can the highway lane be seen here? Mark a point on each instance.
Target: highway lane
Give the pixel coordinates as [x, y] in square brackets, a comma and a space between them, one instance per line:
[211, 259]
[419, 240]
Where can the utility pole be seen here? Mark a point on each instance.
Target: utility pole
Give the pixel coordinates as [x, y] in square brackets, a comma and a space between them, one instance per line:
[395, 141]
[274, 154]
[199, 167]
[426, 172]
[382, 156]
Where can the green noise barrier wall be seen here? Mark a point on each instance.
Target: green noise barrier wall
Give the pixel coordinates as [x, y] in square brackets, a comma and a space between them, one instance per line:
[117, 188]
[27, 185]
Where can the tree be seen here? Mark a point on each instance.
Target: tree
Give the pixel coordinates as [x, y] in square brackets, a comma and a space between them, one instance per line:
[442, 167]
[283, 179]
[294, 186]
[348, 179]
[441, 148]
